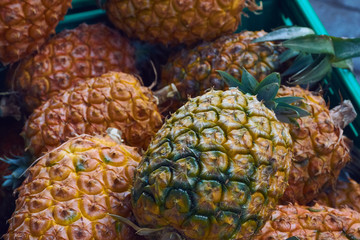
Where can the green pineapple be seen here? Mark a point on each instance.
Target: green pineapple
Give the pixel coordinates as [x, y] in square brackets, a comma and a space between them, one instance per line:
[218, 166]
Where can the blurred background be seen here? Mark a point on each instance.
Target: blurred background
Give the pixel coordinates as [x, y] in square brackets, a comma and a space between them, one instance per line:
[341, 18]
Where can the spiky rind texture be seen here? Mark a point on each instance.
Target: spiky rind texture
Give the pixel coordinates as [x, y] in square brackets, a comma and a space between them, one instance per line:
[215, 170]
[113, 100]
[69, 59]
[194, 71]
[320, 148]
[25, 25]
[70, 191]
[343, 194]
[311, 223]
[177, 21]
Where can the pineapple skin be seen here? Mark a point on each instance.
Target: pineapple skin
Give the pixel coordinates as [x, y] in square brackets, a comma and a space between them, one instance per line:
[172, 22]
[311, 223]
[114, 99]
[193, 71]
[343, 194]
[68, 59]
[320, 149]
[70, 191]
[25, 25]
[215, 170]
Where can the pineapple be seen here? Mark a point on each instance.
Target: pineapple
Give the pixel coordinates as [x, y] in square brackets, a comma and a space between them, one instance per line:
[25, 25]
[345, 193]
[113, 100]
[296, 52]
[68, 59]
[71, 190]
[311, 223]
[194, 71]
[174, 22]
[216, 168]
[320, 148]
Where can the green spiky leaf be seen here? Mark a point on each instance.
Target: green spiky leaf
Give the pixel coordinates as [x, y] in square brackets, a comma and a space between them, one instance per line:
[315, 44]
[306, 45]
[273, 78]
[17, 165]
[301, 62]
[345, 64]
[288, 113]
[285, 33]
[287, 55]
[312, 73]
[248, 80]
[346, 48]
[290, 110]
[268, 92]
[231, 81]
[288, 100]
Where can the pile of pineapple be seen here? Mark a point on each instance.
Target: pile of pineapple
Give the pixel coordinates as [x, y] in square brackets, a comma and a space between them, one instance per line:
[219, 146]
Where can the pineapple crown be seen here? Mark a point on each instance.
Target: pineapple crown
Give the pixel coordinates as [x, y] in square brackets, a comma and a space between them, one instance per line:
[265, 91]
[314, 55]
[17, 166]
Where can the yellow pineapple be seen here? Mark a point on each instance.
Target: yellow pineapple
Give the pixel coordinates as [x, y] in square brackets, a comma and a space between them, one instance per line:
[311, 223]
[70, 191]
[320, 148]
[25, 25]
[69, 59]
[114, 99]
[193, 71]
[177, 21]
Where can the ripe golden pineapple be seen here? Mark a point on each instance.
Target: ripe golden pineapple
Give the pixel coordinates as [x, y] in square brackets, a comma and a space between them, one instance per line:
[25, 25]
[320, 148]
[343, 194]
[113, 100]
[68, 59]
[70, 191]
[194, 71]
[311, 223]
[215, 170]
[177, 21]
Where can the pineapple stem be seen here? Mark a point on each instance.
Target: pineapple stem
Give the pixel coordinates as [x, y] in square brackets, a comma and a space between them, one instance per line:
[115, 134]
[166, 93]
[343, 114]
